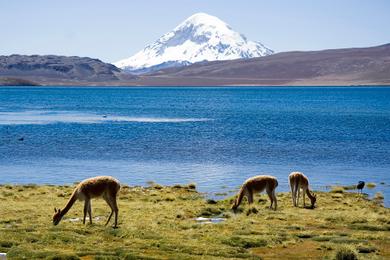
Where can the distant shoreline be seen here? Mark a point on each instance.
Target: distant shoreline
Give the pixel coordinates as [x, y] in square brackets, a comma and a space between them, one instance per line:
[336, 67]
[196, 86]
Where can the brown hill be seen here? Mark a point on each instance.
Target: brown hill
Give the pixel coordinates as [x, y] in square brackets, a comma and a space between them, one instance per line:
[355, 66]
[42, 69]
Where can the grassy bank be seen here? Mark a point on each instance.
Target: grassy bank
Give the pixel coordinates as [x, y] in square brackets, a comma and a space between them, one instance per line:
[159, 223]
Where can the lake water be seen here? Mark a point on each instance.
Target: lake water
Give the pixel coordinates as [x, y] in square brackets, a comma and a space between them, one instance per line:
[215, 137]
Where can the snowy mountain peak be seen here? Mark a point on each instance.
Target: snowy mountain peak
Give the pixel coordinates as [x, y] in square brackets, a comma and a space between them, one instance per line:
[201, 37]
[203, 19]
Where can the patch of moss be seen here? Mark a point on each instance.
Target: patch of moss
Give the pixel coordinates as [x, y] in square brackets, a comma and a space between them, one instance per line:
[210, 211]
[304, 235]
[244, 242]
[370, 227]
[363, 249]
[346, 253]
[211, 201]
[6, 244]
[322, 238]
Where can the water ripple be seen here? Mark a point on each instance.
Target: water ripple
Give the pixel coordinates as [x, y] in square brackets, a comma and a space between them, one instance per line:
[41, 117]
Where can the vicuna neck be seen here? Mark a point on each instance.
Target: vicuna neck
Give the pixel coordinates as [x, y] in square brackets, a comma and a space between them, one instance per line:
[69, 204]
[309, 194]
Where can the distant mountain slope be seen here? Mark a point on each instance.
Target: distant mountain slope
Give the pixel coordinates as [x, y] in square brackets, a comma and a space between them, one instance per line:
[355, 66]
[51, 67]
[201, 37]
[359, 65]
[5, 81]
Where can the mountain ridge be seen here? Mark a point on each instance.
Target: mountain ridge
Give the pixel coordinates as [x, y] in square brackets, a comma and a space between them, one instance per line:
[333, 67]
[201, 37]
[348, 66]
[65, 68]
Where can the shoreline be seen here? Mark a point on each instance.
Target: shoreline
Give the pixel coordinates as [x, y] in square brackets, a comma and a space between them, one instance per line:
[223, 194]
[179, 86]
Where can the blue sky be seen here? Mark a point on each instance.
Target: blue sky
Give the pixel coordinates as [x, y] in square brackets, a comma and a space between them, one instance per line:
[115, 29]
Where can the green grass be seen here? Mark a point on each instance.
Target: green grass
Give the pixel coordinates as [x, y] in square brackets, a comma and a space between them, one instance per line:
[346, 253]
[158, 222]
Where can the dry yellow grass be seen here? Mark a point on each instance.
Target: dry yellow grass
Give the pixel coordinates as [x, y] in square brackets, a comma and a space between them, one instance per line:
[159, 223]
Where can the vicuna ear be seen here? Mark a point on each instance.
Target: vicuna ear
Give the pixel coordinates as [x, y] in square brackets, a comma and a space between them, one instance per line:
[55, 210]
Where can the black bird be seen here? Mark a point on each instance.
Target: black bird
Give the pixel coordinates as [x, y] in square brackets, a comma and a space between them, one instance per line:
[360, 186]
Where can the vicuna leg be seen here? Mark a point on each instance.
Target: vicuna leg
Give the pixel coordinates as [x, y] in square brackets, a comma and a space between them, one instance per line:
[296, 193]
[292, 193]
[275, 200]
[269, 193]
[90, 212]
[303, 196]
[112, 210]
[250, 196]
[115, 210]
[295, 196]
[86, 206]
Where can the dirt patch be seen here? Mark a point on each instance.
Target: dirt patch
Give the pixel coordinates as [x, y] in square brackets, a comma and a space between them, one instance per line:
[384, 249]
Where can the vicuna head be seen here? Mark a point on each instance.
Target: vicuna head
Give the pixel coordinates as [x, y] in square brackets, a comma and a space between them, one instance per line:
[57, 216]
[235, 205]
[313, 200]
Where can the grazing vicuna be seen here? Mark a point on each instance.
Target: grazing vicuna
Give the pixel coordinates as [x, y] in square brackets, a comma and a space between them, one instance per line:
[257, 184]
[101, 186]
[299, 181]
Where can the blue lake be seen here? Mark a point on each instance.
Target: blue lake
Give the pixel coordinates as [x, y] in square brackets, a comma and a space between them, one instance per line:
[215, 137]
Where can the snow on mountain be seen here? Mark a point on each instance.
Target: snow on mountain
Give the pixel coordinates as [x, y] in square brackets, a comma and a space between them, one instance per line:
[201, 37]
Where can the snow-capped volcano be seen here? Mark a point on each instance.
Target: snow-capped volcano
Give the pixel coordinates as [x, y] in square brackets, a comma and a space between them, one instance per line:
[201, 37]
